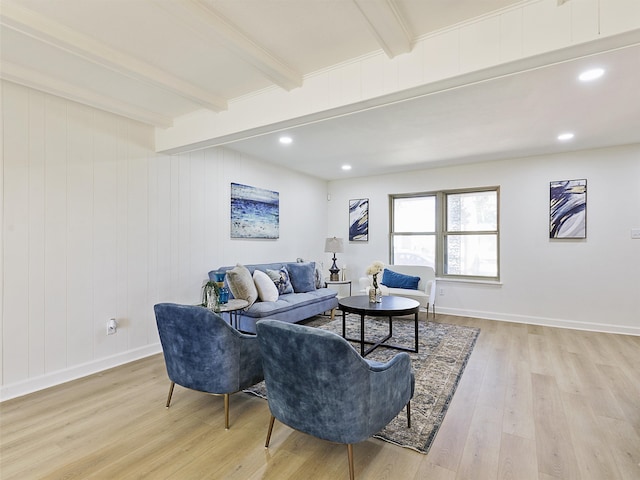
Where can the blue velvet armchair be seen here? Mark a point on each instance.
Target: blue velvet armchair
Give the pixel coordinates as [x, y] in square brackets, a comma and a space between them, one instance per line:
[203, 352]
[317, 383]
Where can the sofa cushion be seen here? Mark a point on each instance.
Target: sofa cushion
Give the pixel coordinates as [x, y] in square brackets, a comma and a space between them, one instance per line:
[267, 290]
[281, 280]
[289, 302]
[398, 280]
[303, 277]
[241, 284]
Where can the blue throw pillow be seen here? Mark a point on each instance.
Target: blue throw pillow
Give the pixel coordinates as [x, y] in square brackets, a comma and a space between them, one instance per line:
[303, 276]
[393, 279]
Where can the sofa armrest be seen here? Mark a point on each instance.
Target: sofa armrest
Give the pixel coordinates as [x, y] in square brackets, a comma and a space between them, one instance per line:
[431, 291]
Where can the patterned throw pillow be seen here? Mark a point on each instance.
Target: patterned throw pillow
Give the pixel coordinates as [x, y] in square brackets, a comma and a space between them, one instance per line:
[319, 280]
[281, 280]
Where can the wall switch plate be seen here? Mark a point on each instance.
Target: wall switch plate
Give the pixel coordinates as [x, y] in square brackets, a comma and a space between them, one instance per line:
[635, 233]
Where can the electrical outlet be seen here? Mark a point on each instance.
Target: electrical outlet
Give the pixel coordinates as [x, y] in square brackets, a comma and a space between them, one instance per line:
[112, 326]
[442, 291]
[635, 233]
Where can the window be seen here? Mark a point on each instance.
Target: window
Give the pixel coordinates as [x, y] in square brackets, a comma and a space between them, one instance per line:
[414, 230]
[455, 232]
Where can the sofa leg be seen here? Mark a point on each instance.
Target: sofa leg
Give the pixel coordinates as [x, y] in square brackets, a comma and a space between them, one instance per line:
[333, 313]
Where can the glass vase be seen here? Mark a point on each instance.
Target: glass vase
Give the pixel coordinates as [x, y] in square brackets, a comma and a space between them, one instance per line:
[223, 295]
[378, 295]
[211, 299]
[372, 294]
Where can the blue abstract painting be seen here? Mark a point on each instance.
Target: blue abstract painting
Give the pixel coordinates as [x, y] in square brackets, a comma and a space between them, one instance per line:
[255, 212]
[568, 209]
[359, 220]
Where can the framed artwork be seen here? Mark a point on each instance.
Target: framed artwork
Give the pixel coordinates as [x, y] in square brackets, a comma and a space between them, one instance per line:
[568, 209]
[255, 212]
[359, 220]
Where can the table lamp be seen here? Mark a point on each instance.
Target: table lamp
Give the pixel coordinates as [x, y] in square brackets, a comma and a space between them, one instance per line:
[334, 245]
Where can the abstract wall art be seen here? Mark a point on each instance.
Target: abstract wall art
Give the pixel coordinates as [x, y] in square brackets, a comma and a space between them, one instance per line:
[359, 220]
[568, 209]
[255, 212]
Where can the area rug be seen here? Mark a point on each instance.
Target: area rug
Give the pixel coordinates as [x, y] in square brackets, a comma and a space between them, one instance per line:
[438, 366]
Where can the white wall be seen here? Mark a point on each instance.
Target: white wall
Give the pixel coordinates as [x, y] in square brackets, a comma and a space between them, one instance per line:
[97, 225]
[591, 284]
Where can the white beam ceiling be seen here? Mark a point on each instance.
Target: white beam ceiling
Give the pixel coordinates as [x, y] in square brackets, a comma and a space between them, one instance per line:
[387, 25]
[213, 72]
[36, 80]
[53, 33]
[213, 27]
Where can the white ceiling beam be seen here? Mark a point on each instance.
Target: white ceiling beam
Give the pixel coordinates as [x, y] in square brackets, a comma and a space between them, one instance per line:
[213, 27]
[59, 36]
[387, 25]
[38, 81]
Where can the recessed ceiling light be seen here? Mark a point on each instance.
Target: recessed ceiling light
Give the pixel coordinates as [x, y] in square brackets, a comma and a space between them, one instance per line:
[286, 140]
[589, 75]
[346, 167]
[565, 136]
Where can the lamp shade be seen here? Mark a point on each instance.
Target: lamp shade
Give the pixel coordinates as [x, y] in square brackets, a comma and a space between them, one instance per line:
[334, 245]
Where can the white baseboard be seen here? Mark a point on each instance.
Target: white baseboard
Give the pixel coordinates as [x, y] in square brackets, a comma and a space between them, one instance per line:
[52, 379]
[542, 321]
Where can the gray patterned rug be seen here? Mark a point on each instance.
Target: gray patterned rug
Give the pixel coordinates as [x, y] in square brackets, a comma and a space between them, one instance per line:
[443, 353]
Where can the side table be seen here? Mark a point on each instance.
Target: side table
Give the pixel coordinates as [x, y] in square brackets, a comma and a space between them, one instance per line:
[328, 282]
[232, 307]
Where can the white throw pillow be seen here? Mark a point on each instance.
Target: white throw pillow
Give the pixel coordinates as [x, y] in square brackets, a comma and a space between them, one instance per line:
[267, 290]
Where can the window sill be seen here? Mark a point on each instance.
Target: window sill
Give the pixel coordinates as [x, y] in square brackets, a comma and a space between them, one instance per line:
[474, 281]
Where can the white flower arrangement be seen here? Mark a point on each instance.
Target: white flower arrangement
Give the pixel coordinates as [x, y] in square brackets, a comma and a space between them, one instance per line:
[375, 269]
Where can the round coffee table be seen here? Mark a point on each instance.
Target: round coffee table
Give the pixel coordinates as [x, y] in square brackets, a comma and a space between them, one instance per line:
[390, 306]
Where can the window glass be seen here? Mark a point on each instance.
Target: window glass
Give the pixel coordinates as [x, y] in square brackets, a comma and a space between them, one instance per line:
[473, 211]
[472, 255]
[414, 214]
[414, 250]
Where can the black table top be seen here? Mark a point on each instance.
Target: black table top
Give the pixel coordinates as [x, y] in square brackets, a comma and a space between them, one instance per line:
[390, 305]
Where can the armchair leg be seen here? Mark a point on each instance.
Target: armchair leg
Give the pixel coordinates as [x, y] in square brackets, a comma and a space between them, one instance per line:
[173, 384]
[350, 455]
[266, 444]
[409, 414]
[226, 411]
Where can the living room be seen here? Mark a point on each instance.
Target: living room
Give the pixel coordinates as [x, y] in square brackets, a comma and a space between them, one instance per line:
[98, 225]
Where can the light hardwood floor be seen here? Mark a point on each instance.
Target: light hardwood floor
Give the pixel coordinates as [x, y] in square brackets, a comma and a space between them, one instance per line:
[533, 403]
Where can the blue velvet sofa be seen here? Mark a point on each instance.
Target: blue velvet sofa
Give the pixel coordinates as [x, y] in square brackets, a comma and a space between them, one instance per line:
[289, 307]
